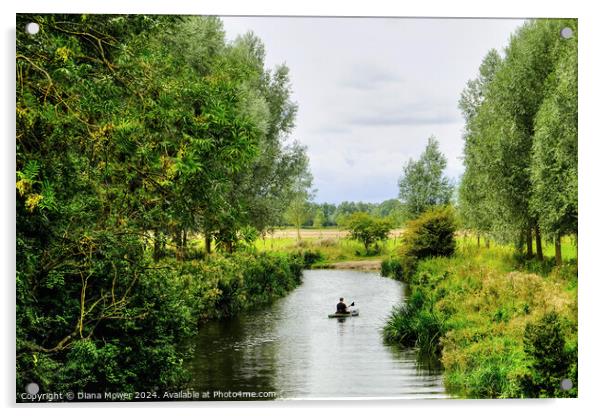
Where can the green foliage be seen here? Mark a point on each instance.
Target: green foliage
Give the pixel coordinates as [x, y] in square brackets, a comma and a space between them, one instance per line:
[493, 325]
[431, 234]
[423, 184]
[319, 219]
[134, 133]
[520, 147]
[399, 267]
[367, 229]
[554, 163]
[299, 208]
[474, 204]
[548, 357]
[141, 347]
[311, 257]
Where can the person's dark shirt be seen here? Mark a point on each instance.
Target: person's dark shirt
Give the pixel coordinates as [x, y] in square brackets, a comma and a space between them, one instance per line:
[341, 307]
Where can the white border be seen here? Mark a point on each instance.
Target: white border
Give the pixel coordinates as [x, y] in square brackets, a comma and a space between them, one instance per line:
[589, 186]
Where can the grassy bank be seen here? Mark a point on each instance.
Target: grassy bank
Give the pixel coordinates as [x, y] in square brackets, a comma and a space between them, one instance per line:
[502, 326]
[327, 245]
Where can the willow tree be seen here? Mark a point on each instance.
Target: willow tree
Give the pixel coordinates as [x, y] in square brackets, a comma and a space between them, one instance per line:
[299, 207]
[506, 126]
[554, 170]
[474, 195]
[129, 128]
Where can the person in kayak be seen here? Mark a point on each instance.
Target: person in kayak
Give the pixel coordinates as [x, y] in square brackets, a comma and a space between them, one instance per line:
[341, 307]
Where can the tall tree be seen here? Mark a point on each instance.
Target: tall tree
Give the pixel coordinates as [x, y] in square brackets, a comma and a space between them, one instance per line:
[505, 126]
[299, 206]
[474, 196]
[554, 163]
[423, 183]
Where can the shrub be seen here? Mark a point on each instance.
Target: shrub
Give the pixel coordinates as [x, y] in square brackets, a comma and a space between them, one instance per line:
[327, 242]
[310, 257]
[367, 229]
[431, 234]
[163, 308]
[550, 361]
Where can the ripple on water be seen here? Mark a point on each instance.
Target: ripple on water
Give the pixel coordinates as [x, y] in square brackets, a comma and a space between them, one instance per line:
[294, 349]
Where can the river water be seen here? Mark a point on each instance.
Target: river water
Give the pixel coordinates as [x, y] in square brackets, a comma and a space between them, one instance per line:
[294, 350]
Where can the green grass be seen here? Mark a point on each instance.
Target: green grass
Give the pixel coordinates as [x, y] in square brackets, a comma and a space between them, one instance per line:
[332, 249]
[480, 301]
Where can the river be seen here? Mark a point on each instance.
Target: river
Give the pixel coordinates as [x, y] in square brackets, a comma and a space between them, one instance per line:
[294, 350]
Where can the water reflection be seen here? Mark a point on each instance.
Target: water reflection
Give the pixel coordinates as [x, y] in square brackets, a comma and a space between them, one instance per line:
[294, 349]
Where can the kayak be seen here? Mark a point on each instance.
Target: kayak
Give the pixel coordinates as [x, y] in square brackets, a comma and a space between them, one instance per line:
[354, 312]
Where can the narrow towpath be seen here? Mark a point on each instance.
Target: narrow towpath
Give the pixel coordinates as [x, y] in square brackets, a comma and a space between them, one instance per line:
[362, 265]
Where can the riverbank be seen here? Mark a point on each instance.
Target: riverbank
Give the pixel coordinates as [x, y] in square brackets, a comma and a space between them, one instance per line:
[166, 304]
[502, 327]
[359, 265]
[329, 248]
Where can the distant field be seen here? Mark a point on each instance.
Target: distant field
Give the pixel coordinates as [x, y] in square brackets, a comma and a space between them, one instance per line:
[335, 247]
[317, 233]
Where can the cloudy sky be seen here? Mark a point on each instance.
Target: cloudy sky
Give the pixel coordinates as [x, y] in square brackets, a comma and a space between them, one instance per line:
[372, 90]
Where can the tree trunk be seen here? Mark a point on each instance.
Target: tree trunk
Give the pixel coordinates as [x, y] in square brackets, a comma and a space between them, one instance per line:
[207, 242]
[478, 240]
[558, 251]
[529, 237]
[538, 243]
[178, 240]
[184, 244]
[159, 246]
[486, 243]
[298, 231]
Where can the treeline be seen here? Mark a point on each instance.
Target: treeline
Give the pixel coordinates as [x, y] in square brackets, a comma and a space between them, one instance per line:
[520, 151]
[133, 132]
[331, 215]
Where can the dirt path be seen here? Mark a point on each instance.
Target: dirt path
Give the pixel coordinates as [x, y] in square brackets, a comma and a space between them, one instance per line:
[362, 265]
[321, 233]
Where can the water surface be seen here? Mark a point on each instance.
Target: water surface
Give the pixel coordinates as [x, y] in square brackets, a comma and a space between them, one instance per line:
[293, 349]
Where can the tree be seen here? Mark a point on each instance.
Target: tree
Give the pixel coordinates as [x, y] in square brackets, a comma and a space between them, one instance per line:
[367, 229]
[299, 205]
[392, 209]
[514, 161]
[423, 184]
[554, 164]
[132, 129]
[474, 196]
[319, 219]
[431, 234]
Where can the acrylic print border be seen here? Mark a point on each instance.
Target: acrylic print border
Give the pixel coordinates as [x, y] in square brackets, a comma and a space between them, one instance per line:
[224, 105]
[510, 8]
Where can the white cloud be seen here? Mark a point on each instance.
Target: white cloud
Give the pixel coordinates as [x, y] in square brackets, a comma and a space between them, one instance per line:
[371, 91]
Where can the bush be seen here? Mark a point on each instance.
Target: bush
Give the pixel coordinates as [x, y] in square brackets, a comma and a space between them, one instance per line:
[163, 307]
[431, 234]
[327, 242]
[550, 361]
[310, 257]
